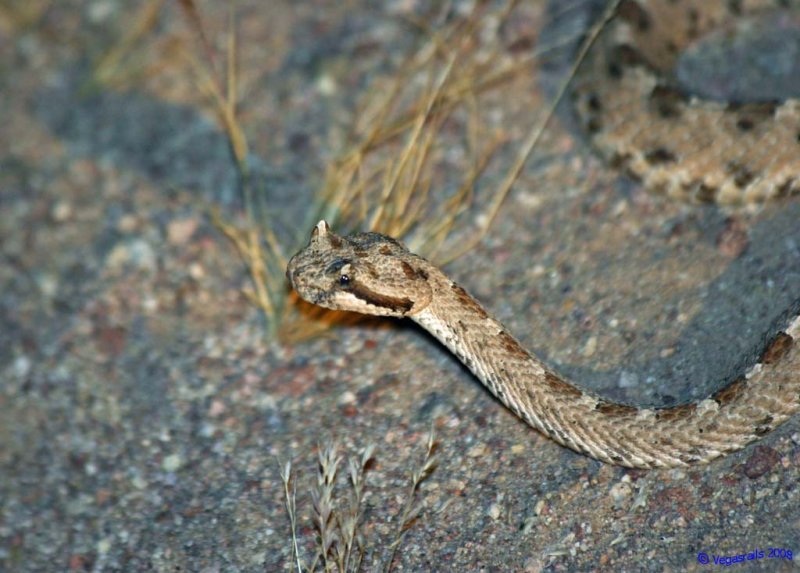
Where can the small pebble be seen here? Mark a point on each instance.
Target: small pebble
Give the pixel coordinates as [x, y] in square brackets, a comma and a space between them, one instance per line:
[347, 398]
[326, 85]
[22, 365]
[590, 347]
[137, 253]
[760, 462]
[620, 492]
[61, 211]
[47, 283]
[99, 12]
[172, 463]
[628, 380]
[196, 271]
[477, 451]
[104, 546]
[179, 231]
[127, 224]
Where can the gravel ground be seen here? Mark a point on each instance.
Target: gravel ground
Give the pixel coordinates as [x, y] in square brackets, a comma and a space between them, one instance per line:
[144, 409]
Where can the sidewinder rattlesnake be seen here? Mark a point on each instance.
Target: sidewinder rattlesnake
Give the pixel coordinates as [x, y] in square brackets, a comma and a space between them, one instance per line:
[730, 154]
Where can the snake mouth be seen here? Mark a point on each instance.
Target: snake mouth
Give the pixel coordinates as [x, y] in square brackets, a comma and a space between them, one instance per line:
[313, 295]
[306, 292]
[387, 304]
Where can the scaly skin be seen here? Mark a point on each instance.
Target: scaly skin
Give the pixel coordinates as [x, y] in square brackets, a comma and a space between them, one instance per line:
[374, 274]
[640, 120]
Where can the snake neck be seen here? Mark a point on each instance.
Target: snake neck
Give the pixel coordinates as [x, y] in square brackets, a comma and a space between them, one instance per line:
[767, 395]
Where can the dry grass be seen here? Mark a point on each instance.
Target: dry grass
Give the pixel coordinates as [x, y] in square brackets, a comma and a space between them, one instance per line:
[340, 544]
[131, 60]
[128, 62]
[21, 15]
[413, 505]
[382, 183]
[383, 179]
[257, 245]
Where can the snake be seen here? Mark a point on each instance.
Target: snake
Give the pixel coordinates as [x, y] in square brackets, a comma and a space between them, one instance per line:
[375, 274]
[690, 149]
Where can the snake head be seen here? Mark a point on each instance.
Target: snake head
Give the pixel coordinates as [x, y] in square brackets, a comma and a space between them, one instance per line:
[368, 273]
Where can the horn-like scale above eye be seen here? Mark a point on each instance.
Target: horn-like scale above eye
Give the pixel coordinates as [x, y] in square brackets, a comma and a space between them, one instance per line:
[320, 229]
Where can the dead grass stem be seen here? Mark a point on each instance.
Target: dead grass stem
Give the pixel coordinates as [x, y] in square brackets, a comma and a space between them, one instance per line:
[124, 61]
[340, 544]
[397, 151]
[413, 506]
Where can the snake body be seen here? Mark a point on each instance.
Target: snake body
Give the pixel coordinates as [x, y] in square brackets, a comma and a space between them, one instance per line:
[641, 120]
[374, 274]
[687, 148]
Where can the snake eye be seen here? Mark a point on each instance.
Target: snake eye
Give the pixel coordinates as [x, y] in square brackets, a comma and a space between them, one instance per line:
[344, 280]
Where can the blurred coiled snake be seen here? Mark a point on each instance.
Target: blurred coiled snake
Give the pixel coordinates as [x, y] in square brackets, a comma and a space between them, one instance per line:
[675, 144]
